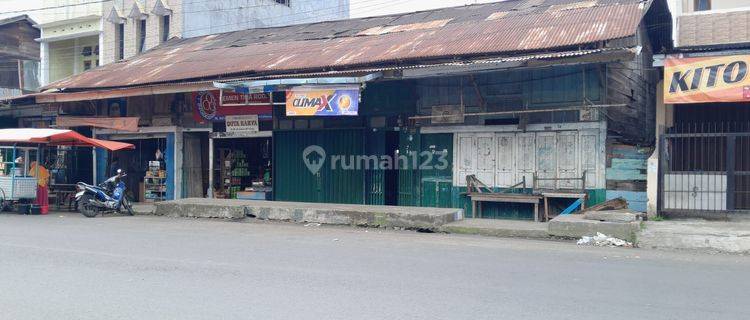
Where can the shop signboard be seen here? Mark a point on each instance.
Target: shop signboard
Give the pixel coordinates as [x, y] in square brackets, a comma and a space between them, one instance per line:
[207, 106]
[242, 123]
[322, 101]
[706, 79]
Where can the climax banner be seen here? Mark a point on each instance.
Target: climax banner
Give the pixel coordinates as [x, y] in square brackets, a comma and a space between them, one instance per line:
[322, 101]
[706, 79]
[207, 106]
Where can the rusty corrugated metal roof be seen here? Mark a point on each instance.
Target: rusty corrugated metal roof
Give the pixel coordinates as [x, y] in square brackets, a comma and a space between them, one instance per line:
[485, 30]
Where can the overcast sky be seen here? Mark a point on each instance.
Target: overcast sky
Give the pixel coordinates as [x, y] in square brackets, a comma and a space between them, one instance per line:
[359, 8]
[14, 5]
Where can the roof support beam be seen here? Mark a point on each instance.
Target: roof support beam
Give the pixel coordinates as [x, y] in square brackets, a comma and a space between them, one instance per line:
[280, 84]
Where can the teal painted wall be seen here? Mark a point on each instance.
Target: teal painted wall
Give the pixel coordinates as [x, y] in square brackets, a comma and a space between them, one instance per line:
[102, 157]
[517, 211]
[636, 200]
[169, 154]
[514, 90]
[388, 98]
[626, 174]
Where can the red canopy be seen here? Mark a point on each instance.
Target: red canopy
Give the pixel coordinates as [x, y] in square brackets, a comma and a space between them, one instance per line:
[59, 137]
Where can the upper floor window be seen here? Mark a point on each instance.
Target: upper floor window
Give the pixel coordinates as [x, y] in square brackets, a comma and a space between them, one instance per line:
[90, 57]
[164, 32]
[120, 41]
[702, 5]
[140, 35]
[284, 2]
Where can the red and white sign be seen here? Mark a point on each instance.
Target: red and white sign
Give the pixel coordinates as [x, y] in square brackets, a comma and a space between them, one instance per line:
[208, 108]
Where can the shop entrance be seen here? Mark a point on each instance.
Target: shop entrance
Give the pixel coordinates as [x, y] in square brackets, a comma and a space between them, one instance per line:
[242, 168]
[705, 160]
[146, 179]
[382, 183]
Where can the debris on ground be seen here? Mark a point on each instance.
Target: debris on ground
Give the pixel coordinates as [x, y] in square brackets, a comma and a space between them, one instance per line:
[602, 240]
[312, 224]
[614, 204]
[620, 215]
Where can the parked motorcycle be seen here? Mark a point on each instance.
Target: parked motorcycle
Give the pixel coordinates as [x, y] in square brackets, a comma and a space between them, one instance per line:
[109, 196]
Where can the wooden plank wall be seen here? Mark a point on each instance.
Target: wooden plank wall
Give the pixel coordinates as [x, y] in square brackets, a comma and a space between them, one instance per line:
[548, 87]
[633, 83]
[17, 41]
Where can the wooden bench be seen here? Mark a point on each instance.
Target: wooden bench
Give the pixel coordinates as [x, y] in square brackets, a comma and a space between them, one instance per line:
[559, 194]
[478, 197]
[63, 194]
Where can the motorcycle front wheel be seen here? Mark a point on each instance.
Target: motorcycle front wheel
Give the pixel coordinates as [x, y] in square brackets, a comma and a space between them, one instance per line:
[85, 206]
[128, 206]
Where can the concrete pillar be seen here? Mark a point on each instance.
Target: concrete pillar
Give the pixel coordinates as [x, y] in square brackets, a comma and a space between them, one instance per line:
[102, 50]
[210, 191]
[178, 157]
[664, 120]
[44, 63]
[77, 67]
[93, 155]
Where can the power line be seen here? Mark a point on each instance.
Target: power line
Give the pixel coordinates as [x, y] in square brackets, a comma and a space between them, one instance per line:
[253, 54]
[294, 14]
[55, 7]
[375, 4]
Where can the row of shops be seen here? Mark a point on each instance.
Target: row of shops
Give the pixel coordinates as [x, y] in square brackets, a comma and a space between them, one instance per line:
[383, 141]
[575, 115]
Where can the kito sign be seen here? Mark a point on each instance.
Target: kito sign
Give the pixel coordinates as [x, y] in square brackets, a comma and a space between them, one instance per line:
[706, 79]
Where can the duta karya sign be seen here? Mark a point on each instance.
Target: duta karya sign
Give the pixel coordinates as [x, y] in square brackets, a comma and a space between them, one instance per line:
[242, 123]
[322, 101]
[706, 79]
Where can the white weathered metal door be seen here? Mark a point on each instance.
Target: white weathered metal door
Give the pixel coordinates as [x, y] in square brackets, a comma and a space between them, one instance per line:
[466, 156]
[546, 158]
[589, 146]
[485, 155]
[506, 145]
[567, 153]
[525, 156]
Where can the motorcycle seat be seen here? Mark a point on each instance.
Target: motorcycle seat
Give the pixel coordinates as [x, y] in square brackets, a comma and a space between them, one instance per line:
[86, 185]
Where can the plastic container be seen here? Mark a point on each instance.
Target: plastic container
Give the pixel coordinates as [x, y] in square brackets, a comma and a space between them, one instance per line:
[23, 208]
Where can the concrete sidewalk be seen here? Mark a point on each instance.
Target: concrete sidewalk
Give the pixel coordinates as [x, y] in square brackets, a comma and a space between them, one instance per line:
[697, 235]
[498, 228]
[325, 213]
[692, 235]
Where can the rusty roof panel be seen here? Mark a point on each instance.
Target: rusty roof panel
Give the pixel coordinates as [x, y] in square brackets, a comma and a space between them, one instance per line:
[412, 38]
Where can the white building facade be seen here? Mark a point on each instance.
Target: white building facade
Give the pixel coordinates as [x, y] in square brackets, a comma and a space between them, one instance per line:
[78, 35]
[130, 27]
[70, 38]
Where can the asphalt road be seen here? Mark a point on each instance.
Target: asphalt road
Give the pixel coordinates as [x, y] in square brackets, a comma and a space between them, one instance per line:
[70, 267]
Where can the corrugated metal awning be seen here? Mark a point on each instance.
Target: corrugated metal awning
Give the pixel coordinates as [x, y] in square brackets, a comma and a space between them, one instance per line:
[281, 84]
[350, 76]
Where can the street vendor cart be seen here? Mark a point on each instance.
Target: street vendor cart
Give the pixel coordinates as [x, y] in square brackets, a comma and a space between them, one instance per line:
[21, 156]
